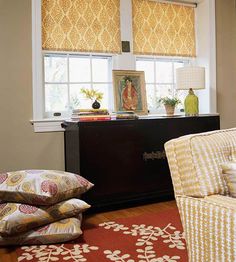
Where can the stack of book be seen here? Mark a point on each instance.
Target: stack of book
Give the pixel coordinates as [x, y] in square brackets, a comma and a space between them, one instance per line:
[126, 115]
[90, 115]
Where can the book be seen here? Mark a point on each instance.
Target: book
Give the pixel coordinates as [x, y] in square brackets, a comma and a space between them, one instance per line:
[126, 115]
[91, 117]
[125, 112]
[91, 111]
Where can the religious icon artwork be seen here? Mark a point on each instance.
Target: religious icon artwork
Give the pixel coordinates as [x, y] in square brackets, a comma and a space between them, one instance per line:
[129, 91]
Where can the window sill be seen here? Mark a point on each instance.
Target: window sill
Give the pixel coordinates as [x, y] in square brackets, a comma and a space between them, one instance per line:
[47, 125]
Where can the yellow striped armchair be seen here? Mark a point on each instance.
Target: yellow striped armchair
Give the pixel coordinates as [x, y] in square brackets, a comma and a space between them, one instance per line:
[207, 212]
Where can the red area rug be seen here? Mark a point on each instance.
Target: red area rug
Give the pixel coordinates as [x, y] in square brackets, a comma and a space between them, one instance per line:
[146, 238]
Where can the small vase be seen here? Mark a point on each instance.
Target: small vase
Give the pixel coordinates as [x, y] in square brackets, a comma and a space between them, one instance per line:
[170, 110]
[96, 105]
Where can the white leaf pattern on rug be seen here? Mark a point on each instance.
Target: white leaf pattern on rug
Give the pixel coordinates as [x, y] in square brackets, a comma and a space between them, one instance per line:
[147, 246]
[116, 256]
[50, 252]
[148, 235]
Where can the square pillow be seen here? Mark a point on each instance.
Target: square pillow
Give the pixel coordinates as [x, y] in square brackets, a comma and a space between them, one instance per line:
[41, 187]
[16, 218]
[229, 174]
[60, 231]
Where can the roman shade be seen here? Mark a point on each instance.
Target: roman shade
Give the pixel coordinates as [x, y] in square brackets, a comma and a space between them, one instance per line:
[163, 29]
[81, 25]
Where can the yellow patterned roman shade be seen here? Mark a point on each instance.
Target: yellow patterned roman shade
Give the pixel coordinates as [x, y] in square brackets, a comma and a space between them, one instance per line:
[163, 29]
[81, 25]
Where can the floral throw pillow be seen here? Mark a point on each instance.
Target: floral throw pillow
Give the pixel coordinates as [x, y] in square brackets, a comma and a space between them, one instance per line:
[41, 187]
[60, 231]
[229, 174]
[16, 218]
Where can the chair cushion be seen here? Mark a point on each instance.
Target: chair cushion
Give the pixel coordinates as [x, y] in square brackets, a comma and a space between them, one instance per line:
[41, 187]
[16, 218]
[60, 231]
[229, 174]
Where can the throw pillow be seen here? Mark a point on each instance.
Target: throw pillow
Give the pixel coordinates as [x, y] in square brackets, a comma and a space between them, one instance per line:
[60, 231]
[229, 174]
[17, 218]
[41, 187]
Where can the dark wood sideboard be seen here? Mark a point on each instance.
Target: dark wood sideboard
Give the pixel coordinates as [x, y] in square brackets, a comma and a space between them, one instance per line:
[125, 159]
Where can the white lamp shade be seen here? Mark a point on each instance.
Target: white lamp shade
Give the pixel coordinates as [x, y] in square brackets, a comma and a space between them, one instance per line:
[190, 77]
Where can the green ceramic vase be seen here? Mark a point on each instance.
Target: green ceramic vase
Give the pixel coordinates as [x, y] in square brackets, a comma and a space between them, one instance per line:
[191, 104]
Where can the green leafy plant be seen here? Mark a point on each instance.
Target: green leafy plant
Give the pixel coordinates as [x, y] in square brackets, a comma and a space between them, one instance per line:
[169, 101]
[92, 94]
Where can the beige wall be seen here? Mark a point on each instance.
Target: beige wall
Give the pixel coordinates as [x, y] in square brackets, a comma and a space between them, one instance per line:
[226, 61]
[20, 147]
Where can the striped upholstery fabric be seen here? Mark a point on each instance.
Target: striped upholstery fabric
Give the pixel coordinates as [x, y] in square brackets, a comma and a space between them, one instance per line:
[209, 226]
[195, 162]
[208, 214]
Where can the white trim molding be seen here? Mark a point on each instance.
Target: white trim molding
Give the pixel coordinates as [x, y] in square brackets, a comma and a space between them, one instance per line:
[37, 62]
[47, 125]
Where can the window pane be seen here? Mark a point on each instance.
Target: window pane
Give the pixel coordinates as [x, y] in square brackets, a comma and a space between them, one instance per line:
[100, 70]
[104, 89]
[77, 99]
[151, 96]
[56, 97]
[165, 90]
[164, 72]
[148, 68]
[79, 69]
[55, 68]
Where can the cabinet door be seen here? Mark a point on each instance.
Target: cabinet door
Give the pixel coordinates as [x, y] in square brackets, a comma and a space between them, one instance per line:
[110, 157]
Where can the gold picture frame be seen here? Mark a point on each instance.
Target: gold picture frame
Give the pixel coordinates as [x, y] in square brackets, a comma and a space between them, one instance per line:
[129, 91]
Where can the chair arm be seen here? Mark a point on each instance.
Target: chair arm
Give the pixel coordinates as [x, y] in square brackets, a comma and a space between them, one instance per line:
[209, 226]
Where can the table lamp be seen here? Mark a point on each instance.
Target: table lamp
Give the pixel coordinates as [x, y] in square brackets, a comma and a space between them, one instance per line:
[190, 78]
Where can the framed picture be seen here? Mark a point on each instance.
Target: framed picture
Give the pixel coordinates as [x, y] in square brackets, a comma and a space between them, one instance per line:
[129, 91]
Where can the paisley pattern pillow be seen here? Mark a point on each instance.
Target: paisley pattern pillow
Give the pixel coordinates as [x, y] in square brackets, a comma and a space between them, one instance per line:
[61, 231]
[17, 218]
[41, 187]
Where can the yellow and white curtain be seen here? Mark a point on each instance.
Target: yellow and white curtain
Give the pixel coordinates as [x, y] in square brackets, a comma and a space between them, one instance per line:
[163, 29]
[81, 25]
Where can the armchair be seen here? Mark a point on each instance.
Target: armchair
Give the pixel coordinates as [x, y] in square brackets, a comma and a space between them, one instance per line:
[207, 212]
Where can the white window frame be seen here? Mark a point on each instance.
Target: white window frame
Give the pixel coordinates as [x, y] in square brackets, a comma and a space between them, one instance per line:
[40, 122]
[155, 59]
[206, 50]
[90, 56]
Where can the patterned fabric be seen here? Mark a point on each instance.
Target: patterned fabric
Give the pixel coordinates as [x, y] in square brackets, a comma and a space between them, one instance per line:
[61, 231]
[229, 174]
[209, 226]
[41, 187]
[17, 218]
[81, 25]
[208, 214]
[195, 161]
[163, 29]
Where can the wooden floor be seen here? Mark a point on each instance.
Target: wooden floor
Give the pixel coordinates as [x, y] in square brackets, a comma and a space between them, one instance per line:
[9, 255]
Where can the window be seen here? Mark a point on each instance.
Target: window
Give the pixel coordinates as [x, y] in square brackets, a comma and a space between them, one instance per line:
[160, 79]
[123, 20]
[66, 74]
